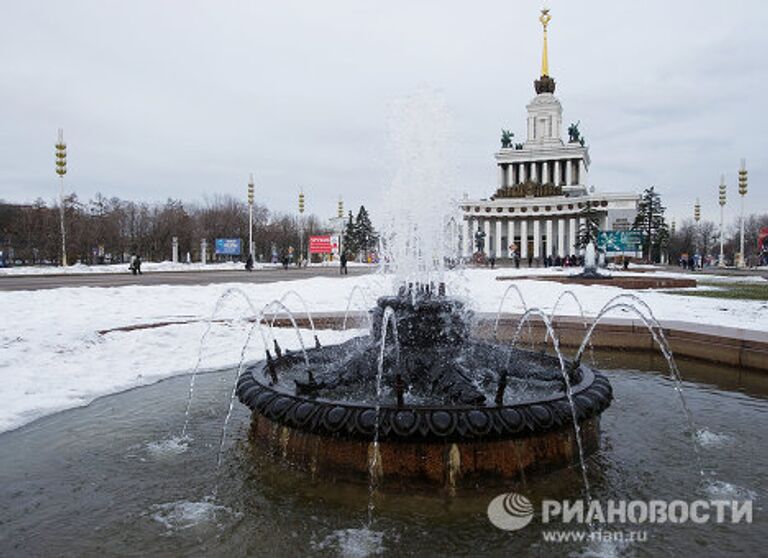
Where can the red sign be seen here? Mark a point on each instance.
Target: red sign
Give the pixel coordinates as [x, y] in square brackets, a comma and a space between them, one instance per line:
[319, 244]
[762, 239]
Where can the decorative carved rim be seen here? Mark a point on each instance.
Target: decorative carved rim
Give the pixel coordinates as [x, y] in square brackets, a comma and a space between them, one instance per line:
[423, 423]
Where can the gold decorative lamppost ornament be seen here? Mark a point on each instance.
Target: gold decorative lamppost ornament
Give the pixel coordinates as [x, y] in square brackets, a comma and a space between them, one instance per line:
[742, 192]
[721, 201]
[251, 188]
[61, 170]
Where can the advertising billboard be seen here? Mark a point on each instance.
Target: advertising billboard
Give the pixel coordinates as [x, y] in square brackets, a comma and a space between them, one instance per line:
[228, 246]
[320, 244]
[620, 242]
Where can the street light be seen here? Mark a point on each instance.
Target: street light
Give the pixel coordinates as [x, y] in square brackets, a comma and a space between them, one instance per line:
[340, 218]
[697, 218]
[742, 192]
[301, 226]
[251, 188]
[721, 263]
[61, 170]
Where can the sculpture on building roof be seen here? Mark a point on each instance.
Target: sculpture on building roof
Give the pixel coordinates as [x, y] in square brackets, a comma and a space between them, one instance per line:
[573, 133]
[506, 138]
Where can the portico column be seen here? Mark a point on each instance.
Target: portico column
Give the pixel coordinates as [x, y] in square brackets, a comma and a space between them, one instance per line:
[522, 176]
[501, 175]
[487, 230]
[582, 172]
[556, 180]
[572, 237]
[498, 238]
[524, 239]
[536, 238]
[465, 237]
[568, 172]
[510, 235]
[534, 176]
[561, 238]
[545, 172]
[549, 247]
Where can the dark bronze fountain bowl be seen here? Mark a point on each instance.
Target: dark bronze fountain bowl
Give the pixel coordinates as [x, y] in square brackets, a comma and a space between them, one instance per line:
[452, 410]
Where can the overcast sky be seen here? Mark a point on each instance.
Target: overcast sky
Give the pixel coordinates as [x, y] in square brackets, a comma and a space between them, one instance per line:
[184, 98]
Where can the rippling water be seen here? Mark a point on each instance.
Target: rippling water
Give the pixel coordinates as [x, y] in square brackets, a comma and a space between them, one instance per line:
[114, 478]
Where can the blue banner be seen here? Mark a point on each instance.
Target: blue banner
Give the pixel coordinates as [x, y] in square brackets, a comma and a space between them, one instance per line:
[228, 246]
[620, 241]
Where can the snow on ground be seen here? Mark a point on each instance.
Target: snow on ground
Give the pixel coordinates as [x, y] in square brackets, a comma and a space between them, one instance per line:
[147, 267]
[52, 356]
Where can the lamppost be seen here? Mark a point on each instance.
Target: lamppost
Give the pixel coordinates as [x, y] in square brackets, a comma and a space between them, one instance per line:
[301, 226]
[742, 192]
[697, 218]
[250, 215]
[721, 263]
[61, 170]
[340, 218]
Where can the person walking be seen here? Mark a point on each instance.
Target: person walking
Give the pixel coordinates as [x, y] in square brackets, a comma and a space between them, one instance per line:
[343, 260]
[249, 263]
[493, 262]
[137, 265]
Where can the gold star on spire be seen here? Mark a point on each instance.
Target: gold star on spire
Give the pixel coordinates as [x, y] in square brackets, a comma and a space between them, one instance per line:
[545, 18]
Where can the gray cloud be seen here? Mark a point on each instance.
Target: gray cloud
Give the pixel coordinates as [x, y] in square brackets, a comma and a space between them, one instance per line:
[184, 99]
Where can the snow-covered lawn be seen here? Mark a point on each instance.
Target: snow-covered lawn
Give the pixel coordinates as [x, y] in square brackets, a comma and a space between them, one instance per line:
[53, 357]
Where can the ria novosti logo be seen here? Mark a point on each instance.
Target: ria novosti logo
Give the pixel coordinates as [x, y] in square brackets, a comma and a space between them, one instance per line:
[510, 512]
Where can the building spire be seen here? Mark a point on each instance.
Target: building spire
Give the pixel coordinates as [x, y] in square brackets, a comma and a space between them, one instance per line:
[545, 18]
[544, 84]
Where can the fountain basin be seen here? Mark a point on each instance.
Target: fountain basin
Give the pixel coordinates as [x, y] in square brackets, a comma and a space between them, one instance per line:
[442, 444]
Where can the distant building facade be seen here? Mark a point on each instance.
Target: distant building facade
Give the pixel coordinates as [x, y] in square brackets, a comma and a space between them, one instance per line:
[542, 187]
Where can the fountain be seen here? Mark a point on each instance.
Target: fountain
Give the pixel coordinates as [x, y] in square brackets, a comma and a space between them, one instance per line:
[424, 401]
[590, 264]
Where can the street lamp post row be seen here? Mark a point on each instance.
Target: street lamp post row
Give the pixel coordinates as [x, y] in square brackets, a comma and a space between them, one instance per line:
[742, 192]
[301, 227]
[697, 218]
[251, 188]
[61, 170]
[721, 261]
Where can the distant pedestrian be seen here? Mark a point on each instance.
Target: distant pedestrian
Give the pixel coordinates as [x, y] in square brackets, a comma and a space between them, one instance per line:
[493, 261]
[132, 265]
[286, 261]
[249, 263]
[137, 265]
[517, 260]
[343, 268]
[530, 260]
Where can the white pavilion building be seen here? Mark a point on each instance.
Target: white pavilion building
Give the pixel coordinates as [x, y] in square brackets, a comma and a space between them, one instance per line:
[542, 187]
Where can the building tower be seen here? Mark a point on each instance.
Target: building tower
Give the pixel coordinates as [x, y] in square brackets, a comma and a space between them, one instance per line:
[537, 208]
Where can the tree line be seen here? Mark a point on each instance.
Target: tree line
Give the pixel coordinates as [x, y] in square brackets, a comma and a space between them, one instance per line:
[112, 229]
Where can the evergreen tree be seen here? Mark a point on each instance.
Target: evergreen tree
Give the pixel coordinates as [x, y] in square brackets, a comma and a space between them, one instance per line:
[349, 240]
[589, 229]
[650, 222]
[366, 237]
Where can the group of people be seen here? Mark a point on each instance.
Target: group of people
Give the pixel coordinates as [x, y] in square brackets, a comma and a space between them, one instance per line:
[567, 261]
[692, 261]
